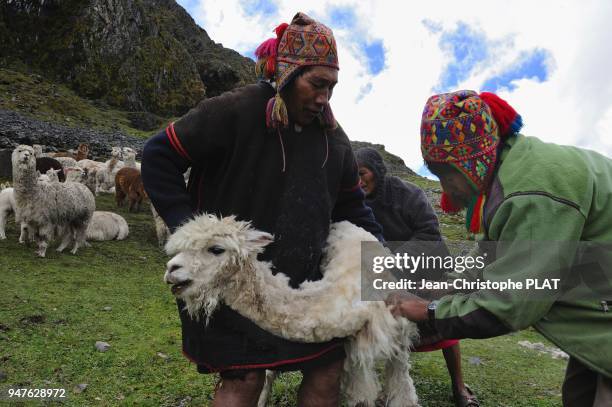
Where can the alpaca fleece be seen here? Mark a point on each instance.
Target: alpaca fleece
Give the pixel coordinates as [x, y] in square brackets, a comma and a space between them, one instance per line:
[7, 205]
[128, 183]
[50, 207]
[107, 226]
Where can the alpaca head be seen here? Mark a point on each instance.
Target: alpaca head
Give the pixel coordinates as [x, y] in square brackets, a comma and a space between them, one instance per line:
[129, 156]
[38, 150]
[83, 149]
[128, 150]
[208, 253]
[52, 175]
[23, 158]
[75, 174]
[116, 152]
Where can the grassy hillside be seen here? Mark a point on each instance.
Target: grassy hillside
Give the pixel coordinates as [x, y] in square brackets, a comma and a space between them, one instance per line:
[54, 310]
[31, 94]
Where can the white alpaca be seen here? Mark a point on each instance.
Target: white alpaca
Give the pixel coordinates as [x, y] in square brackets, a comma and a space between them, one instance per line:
[105, 177]
[38, 150]
[67, 161]
[217, 262]
[47, 207]
[50, 176]
[107, 226]
[7, 205]
[75, 174]
[91, 168]
[129, 159]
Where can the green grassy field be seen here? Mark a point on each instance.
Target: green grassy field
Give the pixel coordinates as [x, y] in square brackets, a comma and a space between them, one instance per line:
[53, 310]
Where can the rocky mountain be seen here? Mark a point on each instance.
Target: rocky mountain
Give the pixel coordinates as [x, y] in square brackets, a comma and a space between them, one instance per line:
[137, 55]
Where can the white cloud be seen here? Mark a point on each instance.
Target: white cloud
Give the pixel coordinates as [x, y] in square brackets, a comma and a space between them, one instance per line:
[573, 106]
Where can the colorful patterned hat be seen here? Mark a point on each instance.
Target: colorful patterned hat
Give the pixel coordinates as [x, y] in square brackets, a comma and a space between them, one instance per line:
[304, 42]
[458, 128]
[463, 129]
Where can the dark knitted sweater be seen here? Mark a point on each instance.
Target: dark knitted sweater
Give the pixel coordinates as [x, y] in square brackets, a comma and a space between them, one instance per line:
[401, 208]
[237, 169]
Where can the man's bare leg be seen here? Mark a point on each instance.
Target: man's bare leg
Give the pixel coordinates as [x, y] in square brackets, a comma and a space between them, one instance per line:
[321, 386]
[240, 392]
[452, 356]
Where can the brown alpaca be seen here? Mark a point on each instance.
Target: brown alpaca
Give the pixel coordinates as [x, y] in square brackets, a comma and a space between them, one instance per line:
[62, 154]
[82, 152]
[129, 183]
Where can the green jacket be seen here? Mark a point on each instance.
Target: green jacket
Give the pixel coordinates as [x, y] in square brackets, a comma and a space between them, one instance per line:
[544, 192]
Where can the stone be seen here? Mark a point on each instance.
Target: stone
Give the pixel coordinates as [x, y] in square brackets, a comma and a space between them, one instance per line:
[102, 346]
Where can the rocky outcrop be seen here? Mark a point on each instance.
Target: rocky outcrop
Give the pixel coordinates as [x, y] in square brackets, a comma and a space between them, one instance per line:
[137, 55]
[395, 165]
[18, 129]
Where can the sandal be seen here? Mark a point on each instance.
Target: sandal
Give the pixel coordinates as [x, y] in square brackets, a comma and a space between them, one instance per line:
[466, 401]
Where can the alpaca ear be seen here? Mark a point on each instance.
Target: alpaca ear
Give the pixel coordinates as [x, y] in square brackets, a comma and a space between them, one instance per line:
[258, 239]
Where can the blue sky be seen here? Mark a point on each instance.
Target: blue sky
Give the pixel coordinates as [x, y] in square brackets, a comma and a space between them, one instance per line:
[530, 65]
[253, 7]
[470, 50]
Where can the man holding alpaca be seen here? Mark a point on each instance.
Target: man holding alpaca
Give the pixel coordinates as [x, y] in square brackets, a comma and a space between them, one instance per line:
[547, 211]
[273, 154]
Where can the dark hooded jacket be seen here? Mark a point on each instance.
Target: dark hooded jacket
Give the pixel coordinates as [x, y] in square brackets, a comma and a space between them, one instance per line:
[401, 208]
[290, 184]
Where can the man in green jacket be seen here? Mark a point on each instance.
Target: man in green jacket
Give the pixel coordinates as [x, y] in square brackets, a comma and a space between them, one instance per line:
[547, 209]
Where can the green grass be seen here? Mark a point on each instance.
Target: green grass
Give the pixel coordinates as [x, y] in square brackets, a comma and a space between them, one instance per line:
[34, 96]
[52, 313]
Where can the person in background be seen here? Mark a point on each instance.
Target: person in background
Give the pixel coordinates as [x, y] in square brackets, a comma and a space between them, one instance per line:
[518, 190]
[405, 214]
[270, 153]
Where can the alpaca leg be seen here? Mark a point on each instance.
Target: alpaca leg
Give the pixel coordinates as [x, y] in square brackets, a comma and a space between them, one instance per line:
[267, 388]
[399, 387]
[3, 216]
[43, 236]
[80, 233]
[359, 382]
[119, 197]
[66, 237]
[23, 237]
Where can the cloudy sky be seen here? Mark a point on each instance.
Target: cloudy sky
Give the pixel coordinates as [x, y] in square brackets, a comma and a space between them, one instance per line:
[552, 60]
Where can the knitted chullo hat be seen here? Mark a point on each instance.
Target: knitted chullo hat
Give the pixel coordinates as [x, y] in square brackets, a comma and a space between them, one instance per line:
[464, 129]
[304, 42]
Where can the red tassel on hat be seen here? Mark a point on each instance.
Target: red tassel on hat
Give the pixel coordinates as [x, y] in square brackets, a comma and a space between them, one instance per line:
[280, 30]
[447, 204]
[508, 120]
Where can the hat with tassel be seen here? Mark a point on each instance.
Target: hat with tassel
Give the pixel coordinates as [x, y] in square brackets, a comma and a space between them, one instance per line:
[464, 129]
[304, 42]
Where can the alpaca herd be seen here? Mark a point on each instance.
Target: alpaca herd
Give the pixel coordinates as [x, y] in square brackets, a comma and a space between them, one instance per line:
[52, 196]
